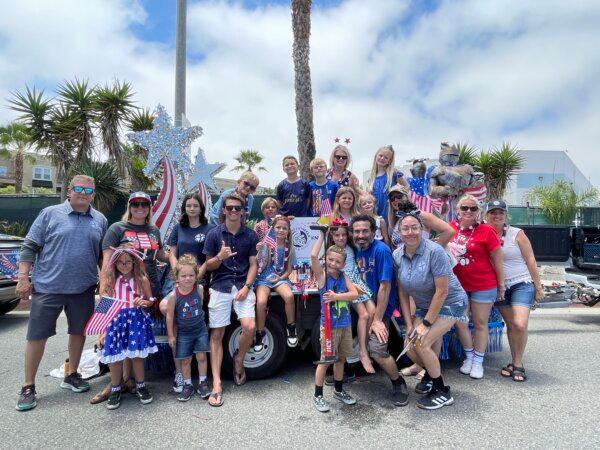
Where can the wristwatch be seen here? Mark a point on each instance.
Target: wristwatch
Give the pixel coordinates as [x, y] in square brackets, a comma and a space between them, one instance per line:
[248, 285]
[427, 323]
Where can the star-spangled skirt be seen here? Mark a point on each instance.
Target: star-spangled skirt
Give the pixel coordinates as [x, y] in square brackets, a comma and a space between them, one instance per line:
[129, 335]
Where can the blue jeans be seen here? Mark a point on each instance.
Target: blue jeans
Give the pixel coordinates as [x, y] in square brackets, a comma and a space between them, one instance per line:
[521, 294]
[190, 342]
[487, 296]
[452, 312]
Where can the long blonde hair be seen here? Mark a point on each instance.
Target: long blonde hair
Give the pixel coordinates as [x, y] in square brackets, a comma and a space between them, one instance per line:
[389, 169]
[345, 150]
[289, 243]
[336, 204]
[127, 216]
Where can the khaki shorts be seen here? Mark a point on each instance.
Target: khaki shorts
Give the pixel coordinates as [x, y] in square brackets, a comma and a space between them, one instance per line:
[220, 304]
[342, 342]
[376, 348]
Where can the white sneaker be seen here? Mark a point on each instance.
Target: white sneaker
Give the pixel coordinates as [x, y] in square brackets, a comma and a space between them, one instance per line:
[466, 366]
[476, 371]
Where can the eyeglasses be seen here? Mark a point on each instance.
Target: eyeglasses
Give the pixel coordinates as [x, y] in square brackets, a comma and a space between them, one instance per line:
[414, 229]
[139, 204]
[469, 208]
[249, 186]
[341, 157]
[234, 207]
[80, 189]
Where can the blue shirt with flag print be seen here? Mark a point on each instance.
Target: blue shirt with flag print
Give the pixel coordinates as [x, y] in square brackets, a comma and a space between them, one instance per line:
[340, 311]
[321, 198]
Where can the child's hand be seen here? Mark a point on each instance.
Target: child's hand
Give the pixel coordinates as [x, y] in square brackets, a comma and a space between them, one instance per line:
[259, 246]
[329, 296]
[359, 288]
[139, 302]
[172, 342]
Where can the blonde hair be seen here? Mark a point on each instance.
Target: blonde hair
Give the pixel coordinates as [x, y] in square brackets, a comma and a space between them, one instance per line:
[317, 161]
[268, 200]
[466, 198]
[249, 176]
[345, 150]
[336, 249]
[127, 216]
[389, 169]
[368, 196]
[336, 205]
[186, 260]
[82, 178]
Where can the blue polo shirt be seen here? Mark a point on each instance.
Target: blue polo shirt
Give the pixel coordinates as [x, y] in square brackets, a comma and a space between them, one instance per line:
[66, 245]
[375, 265]
[234, 270]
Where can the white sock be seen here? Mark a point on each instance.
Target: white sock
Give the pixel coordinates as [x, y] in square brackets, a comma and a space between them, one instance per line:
[478, 358]
[187, 381]
[202, 378]
[469, 354]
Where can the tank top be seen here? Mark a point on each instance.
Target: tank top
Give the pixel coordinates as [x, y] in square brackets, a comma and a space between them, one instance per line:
[515, 269]
[378, 235]
[188, 310]
[340, 313]
[126, 290]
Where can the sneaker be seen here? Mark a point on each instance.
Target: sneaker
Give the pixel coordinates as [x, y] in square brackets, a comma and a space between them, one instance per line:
[258, 345]
[466, 366]
[400, 395]
[186, 393]
[114, 400]
[204, 390]
[27, 398]
[320, 404]
[435, 399]
[178, 383]
[292, 337]
[424, 388]
[75, 383]
[343, 396]
[329, 381]
[476, 371]
[144, 395]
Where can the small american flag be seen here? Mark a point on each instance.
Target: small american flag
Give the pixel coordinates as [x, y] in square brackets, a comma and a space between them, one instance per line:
[106, 310]
[325, 207]
[9, 264]
[271, 243]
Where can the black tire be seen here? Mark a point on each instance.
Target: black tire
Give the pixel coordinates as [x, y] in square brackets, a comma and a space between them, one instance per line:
[269, 361]
[9, 306]
[315, 342]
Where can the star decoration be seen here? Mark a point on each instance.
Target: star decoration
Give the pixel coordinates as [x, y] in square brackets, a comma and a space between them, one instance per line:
[347, 141]
[204, 172]
[337, 140]
[165, 140]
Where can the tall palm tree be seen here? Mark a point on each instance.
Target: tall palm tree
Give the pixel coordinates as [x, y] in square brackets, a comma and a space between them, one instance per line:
[15, 139]
[248, 159]
[559, 201]
[302, 83]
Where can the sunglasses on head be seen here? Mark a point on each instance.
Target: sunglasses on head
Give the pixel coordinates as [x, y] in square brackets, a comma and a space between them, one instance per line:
[469, 208]
[80, 189]
[139, 204]
[341, 157]
[234, 207]
[249, 185]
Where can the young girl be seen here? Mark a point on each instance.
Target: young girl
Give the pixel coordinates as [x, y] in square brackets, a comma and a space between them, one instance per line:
[129, 335]
[274, 271]
[344, 205]
[383, 176]
[184, 310]
[363, 305]
[270, 208]
[334, 287]
[366, 205]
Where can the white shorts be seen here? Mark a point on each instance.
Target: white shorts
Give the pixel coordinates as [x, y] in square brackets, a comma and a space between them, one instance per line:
[219, 307]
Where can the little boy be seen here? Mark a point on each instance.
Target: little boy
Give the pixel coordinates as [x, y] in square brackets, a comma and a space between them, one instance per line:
[247, 184]
[292, 193]
[322, 190]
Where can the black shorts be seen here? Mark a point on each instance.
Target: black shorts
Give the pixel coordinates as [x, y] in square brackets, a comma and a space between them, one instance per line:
[45, 309]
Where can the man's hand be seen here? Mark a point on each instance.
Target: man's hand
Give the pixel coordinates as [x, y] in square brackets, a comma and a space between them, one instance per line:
[241, 294]
[23, 288]
[172, 342]
[380, 331]
[225, 252]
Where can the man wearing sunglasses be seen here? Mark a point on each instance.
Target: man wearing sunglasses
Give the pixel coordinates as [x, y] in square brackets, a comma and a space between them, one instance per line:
[246, 185]
[230, 250]
[63, 245]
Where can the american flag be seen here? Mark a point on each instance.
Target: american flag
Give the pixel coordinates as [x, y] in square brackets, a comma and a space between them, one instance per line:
[9, 264]
[106, 310]
[479, 192]
[325, 207]
[271, 243]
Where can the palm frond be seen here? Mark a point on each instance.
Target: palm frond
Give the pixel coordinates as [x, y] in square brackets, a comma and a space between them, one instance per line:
[559, 201]
[468, 153]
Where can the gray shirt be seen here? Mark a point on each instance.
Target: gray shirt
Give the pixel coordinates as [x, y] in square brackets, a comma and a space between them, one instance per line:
[417, 275]
[64, 246]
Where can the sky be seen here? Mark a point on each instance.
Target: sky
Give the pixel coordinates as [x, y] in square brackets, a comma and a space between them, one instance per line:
[406, 73]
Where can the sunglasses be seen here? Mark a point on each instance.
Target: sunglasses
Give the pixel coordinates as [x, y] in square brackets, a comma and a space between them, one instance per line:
[80, 189]
[469, 208]
[234, 207]
[393, 198]
[139, 204]
[249, 186]
[341, 157]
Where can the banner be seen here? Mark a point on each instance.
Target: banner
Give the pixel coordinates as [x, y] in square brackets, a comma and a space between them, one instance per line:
[304, 238]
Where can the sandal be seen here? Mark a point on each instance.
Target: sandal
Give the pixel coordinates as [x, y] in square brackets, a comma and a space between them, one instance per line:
[101, 396]
[215, 399]
[129, 386]
[508, 370]
[518, 374]
[239, 378]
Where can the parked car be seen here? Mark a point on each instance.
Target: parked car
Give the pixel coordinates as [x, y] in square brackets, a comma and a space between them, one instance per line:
[10, 247]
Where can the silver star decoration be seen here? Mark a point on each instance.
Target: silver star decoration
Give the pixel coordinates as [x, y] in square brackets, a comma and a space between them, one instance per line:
[165, 140]
[204, 172]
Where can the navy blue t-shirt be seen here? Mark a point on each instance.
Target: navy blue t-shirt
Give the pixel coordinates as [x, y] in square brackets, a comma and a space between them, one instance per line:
[375, 265]
[190, 240]
[293, 197]
[320, 194]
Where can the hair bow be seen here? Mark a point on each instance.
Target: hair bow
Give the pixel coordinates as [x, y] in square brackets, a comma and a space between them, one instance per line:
[339, 222]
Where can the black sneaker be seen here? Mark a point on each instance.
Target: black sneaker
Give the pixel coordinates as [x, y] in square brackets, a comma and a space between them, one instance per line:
[258, 341]
[423, 388]
[144, 395]
[186, 393]
[114, 399]
[400, 394]
[204, 390]
[27, 398]
[435, 399]
[75, 383]
[292, 337]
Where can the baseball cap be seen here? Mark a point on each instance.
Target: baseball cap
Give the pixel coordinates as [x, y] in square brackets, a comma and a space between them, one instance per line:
[496, 204]
[139, 196]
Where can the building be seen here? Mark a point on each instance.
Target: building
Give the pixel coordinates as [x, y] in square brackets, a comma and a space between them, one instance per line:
[38, 172]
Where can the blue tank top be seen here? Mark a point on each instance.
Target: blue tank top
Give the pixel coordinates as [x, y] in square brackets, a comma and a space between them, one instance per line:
[340, 312]
[188, 310]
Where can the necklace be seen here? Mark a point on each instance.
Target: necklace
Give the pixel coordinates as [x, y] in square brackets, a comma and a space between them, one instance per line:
[504, 228]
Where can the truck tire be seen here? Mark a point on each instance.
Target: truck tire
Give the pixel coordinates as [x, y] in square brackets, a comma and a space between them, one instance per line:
[264, 364]
[315, 342]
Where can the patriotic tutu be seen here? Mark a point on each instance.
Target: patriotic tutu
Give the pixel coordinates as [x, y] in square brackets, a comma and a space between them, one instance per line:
[128, 335]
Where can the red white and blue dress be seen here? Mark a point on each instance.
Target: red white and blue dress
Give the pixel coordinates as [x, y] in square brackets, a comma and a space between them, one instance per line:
[129, 335]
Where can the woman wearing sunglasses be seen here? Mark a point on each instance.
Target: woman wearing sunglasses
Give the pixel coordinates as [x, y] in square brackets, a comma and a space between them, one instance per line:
[480, 270]
[339, 161]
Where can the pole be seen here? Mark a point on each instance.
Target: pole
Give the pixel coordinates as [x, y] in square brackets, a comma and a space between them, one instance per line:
[180, 61]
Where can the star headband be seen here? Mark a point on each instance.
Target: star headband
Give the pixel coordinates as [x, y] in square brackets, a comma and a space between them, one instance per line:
[121, 250]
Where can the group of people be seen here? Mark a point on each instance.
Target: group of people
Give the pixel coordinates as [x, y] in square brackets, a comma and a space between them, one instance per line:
[381, 255]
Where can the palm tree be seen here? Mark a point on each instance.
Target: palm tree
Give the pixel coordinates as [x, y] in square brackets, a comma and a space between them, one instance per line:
[468, 153]
[559, 201]
[499, 166]
[302, 84]
[15, 140]
[107, 181]
[248, 159]
[139, 120]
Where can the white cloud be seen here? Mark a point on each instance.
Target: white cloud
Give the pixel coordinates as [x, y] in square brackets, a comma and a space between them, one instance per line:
[478, 71]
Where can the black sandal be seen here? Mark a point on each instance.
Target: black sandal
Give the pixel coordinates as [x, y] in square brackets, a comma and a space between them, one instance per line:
[518, 374]
[508, 370]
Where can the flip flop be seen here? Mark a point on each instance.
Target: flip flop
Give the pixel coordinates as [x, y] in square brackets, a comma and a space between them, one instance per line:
[215, 399]
[101, 396]
[518, 374]
[507, 371]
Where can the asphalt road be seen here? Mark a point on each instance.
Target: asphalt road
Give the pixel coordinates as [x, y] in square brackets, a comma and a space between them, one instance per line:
[556, 408]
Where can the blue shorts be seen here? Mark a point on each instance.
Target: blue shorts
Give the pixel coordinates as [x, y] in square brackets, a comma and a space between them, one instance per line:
[487, 296]
[521, 294]
[263, 279]
[451, 312]
[190, 343]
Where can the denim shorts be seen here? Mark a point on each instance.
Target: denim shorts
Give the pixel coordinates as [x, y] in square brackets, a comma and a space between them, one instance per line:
[487, 296]
[189, 343]
[521, 294]
[452, 312]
